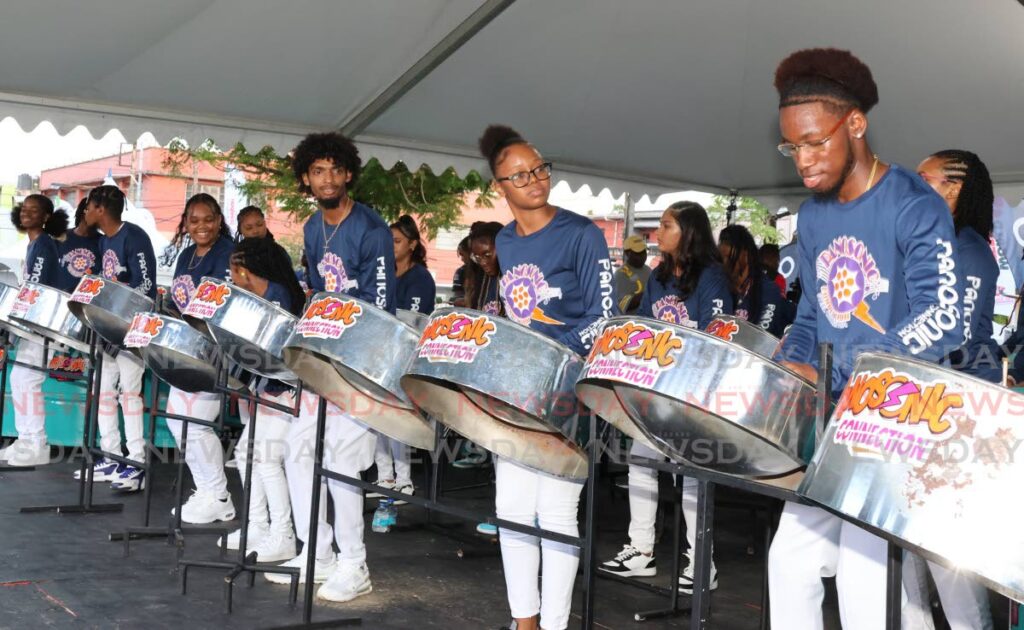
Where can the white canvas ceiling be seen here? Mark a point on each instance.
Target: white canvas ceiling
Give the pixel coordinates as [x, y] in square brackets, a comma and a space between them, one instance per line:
[643, 96]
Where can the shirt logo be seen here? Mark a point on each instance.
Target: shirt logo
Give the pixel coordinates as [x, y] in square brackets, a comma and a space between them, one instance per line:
[181, 290]
[493, 307]
[79, 261]
[673, 310]
[850, 277]
[111, 265]
[332, 270]
[524, 290]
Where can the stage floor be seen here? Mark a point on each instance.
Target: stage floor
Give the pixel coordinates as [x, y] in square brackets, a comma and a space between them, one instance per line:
[61, 570]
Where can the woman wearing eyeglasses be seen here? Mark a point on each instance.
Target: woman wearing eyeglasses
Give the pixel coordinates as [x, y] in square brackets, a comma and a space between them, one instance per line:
[484, 276]
[415, 291]
[561, 260]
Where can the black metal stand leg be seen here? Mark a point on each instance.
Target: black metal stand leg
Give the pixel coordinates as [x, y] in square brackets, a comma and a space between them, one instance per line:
[590, 527]
[894, 588]
[673, 590]
[769, 533]
[85, 482]
[702, 556]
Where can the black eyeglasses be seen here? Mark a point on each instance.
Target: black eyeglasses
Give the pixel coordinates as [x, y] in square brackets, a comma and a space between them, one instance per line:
[522, 178]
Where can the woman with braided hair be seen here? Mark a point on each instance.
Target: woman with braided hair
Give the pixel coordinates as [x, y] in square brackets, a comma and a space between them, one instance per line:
[261, 266]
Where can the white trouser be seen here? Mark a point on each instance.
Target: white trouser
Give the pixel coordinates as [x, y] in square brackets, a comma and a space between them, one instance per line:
[27, 392]
[121, 382]
[348, 449]
[203, 451]
[811, 544]
[392, 458]
[523, 495]
[643, 502]
[269, 485]
[964, 601]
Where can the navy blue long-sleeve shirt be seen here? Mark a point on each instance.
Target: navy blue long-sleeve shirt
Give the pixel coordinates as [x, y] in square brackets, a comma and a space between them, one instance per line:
[776, 312]
[711, 298]
[42, 262]
[980, 355]
[128, 258]
[416, 290]
[558, 280]
[190, 269]
[79, 256]
[878, 273]
[358, 257]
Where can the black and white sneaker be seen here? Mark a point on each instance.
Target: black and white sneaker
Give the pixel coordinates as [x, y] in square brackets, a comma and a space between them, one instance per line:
[686, 579]
[630, 562]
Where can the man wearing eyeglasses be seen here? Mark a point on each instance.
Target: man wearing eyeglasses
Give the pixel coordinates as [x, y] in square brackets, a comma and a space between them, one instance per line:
[879, 272]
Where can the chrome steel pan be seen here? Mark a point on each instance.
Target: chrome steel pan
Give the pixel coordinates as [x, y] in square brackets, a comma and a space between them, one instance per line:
[742, 332]
[414, 318]
[353, 354]
[176, 352]
[8, 296]
[931, 459]
[108, 307]
[250, 330]
[503, 386]
[44, 310]
[703, 399]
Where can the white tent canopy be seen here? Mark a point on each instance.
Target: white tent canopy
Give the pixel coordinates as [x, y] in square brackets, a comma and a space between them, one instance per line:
[646, 96]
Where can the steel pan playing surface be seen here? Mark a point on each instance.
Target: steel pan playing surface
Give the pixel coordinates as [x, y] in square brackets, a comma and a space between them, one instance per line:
[108, 307]
[176, 352]
[44, 310]
[703, 399]
[8, 296]
[931, 459]
[501, 385]
[353, 354]
[743, 333]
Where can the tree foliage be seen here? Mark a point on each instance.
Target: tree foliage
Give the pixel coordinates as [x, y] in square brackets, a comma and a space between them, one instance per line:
[435, 200]
[749, 212]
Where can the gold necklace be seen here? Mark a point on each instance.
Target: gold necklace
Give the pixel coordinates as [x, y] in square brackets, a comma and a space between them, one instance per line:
[871, 177]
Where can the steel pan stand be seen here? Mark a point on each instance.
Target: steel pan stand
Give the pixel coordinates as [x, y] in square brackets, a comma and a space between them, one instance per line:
[174, 530]
[245, 561]
[85, 481]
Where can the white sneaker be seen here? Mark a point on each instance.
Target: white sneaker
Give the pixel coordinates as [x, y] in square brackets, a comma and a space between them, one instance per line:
[323, 570]
[26, 453]
[103, 469]
[348, 582]
[203, 507]
[387, 484]
[686, 579]
[257, 532]
[406, 489]
[630, 562]
[275, 547]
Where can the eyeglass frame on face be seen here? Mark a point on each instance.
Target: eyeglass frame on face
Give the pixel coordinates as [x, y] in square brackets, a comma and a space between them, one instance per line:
[479, 259]
[790, 149]
[544, 168]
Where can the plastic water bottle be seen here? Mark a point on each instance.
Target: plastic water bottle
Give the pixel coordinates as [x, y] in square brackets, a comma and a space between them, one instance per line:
[381, 517]
[392, 513]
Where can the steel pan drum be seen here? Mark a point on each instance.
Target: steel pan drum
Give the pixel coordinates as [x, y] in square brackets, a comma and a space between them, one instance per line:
[742, 332]
[705, 400]
[501, 385]
[353, 354]
[414, 318]
[44, 310]
[176, 352]
[108, 307]
[929, 458]
[250, 330]
[8, 296]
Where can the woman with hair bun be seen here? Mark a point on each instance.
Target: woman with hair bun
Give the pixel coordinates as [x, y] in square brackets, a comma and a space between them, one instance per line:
[562, 260]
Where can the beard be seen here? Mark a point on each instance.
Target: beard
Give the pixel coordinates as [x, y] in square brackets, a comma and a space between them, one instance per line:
[833, 192]
[329, 203]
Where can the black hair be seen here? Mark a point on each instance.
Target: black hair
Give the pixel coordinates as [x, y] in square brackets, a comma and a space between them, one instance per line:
[325, 146]
[56, 222]
[475, 275]
[110, 198]
[495, 140]
[696, 250]
[265, 258]
[741, 242]
[244, 212]
[463, 245]
[976, 198]
[407, 226]
[829, 76]
[770, 258]
[181, 238]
